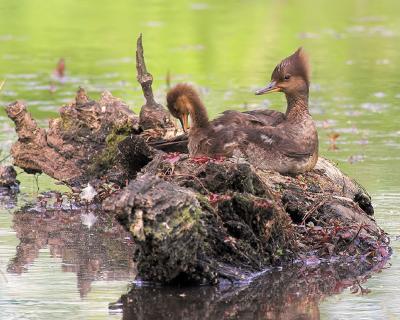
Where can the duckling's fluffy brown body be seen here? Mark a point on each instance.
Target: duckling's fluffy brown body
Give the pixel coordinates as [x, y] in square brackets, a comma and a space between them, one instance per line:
[287, 143]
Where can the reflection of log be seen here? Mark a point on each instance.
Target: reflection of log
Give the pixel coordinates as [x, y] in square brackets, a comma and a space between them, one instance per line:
[197, 220]
[290, 294]
[8, 178]
[100, 253]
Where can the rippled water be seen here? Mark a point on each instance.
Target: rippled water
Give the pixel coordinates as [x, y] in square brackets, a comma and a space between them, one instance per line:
[228, 49]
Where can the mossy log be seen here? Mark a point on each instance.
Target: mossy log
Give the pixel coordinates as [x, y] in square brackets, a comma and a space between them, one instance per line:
[78, 146]
[200, 220]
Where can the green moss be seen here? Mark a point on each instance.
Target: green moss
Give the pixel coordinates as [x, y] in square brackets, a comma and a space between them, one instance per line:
[182, 220]
[106, 158]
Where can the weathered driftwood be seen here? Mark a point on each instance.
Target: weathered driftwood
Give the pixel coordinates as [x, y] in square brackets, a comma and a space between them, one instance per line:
[198, 220]
[79, 146]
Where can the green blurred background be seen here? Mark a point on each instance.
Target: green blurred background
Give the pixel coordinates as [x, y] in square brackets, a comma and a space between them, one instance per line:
[227, 49]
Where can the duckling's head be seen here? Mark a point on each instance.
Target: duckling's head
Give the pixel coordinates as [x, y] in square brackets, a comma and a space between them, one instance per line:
[178, 103]
[291, 75]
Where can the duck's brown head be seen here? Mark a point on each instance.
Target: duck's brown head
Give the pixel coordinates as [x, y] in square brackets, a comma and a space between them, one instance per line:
[291, 75]
[182, 101]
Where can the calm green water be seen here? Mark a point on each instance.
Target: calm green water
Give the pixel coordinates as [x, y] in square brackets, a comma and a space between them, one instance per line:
[228, 49]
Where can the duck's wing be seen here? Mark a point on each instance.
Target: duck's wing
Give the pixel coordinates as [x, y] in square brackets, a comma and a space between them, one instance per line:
[255, 118]
[275, 140]
[267, 117]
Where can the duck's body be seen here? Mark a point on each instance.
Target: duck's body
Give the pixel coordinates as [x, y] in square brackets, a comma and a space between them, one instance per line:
[287, 143]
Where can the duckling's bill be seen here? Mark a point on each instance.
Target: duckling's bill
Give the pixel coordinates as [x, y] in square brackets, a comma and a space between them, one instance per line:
[271, 87]
[184, 120]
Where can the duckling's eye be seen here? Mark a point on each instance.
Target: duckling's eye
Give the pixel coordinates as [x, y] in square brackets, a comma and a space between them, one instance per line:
[287, 77]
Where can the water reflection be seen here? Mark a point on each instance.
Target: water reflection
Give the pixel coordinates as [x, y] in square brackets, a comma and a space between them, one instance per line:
[8, 198]
[290, 294]
[101, 252]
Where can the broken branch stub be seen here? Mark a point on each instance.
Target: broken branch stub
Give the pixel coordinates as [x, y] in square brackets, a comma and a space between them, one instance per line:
[145, 79]
[152, 115]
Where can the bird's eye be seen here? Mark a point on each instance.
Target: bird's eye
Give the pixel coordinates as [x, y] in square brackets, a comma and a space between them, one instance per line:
[287, 77]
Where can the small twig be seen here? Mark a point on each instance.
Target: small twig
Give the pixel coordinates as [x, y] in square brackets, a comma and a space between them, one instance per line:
[5, 158]
[344, 187]
[2, 84]
[36, 177]
[313, 209]
[354, 238]
[194, 177]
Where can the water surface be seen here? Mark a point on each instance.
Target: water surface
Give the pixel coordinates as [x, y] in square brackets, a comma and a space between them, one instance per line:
[228, 49]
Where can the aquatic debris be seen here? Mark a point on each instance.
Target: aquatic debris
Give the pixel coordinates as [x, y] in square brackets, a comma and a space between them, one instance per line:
[333, 136]
[8, 177]
[88, 219]
[207, 219]
[362, 142]
[379, 94]
[382, 61]
[154, 24]
[199, 6]
[88, 193]
[355, 158]
[172, 157]
[325, 124]
[308, 35]
[59, 71]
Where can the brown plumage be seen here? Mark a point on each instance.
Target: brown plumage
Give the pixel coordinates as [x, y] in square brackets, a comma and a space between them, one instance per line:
[287, 143]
